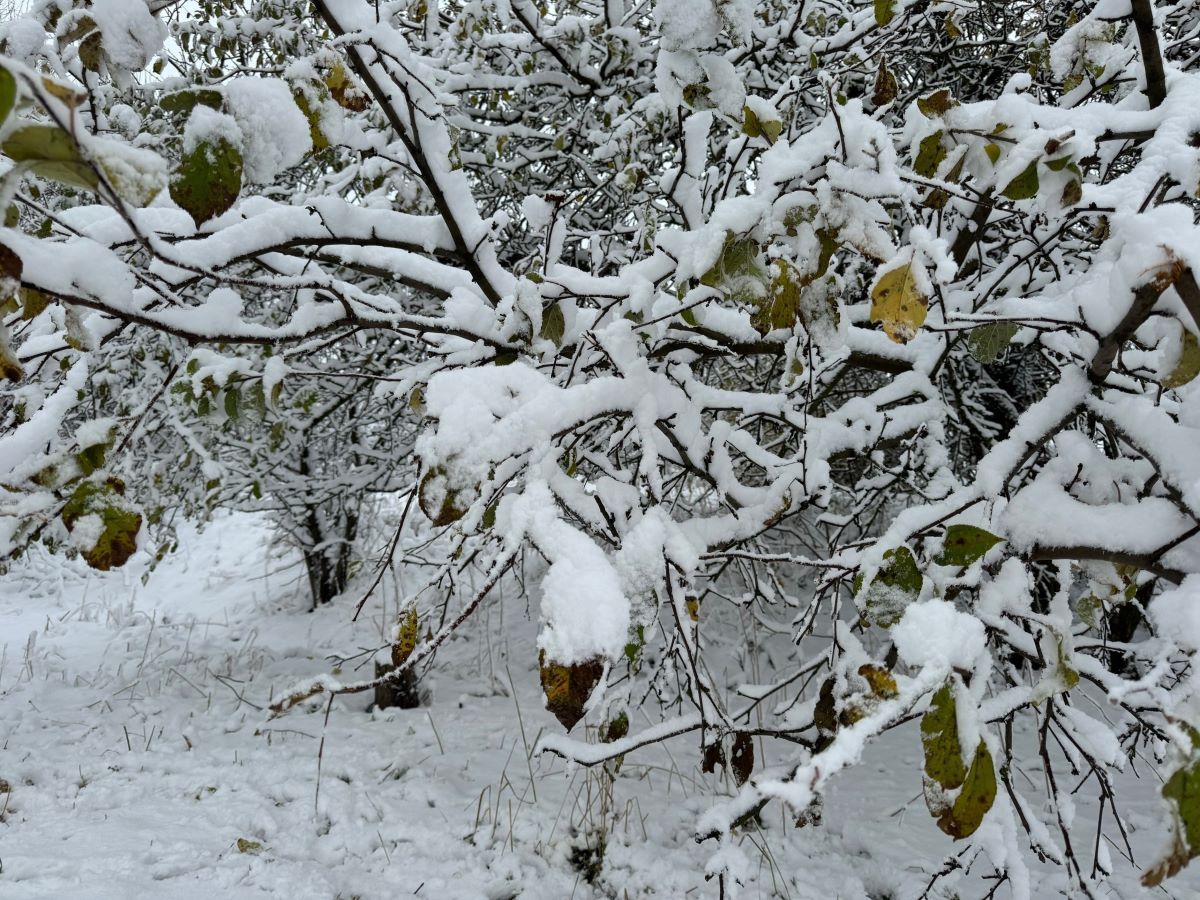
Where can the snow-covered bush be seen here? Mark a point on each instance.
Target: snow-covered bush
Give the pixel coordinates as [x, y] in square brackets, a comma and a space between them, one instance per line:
[873, 325]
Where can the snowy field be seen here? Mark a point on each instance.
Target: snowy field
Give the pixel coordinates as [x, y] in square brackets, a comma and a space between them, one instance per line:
[141, 763]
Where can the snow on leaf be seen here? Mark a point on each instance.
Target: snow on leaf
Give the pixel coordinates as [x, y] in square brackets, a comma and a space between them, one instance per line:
[443, 503]
[103, 525]
[208, 179]
[894, 587]
[137, 175]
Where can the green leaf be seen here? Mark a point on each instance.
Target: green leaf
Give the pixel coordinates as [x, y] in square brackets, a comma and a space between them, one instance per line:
[50, 152]
[987, 342]
[553, 324]
[33, 303]
[939, 736]
[245, 845]
[753, 126]
[1089, 609]
[208, 180]
[930, 154]
[750, 124]
[8, 93]
[116, 540]
[974, 800]
[894, 587]
[739, 272]
[186, 101]
[782, 305]
[1024, 185]
[963, 544]
[232, 402]
[91, 458]
[313, 115]
[615, 729]
[885, 11]
[992, 151]
[1182, 793]
[439, 500]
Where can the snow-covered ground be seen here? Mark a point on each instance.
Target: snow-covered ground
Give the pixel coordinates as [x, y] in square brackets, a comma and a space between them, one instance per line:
[142, 764]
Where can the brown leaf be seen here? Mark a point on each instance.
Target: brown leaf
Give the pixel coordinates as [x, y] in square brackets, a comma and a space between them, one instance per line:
[568, 687]
[713, 756]
[825, 713]
[742, 759]
[885, 85]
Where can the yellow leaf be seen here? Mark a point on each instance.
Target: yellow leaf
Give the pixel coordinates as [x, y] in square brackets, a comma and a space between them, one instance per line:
[882, 682]
[406, 637]
[898, 304]
[1188, 366]
[568, 687]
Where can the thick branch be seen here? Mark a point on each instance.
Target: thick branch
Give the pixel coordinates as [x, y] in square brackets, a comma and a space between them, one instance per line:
[1156, 76]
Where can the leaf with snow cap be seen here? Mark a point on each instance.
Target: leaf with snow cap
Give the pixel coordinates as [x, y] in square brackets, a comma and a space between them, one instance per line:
[567, 687]
[100, 519]
[894, 587]
[207, 181]
[443, 503]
